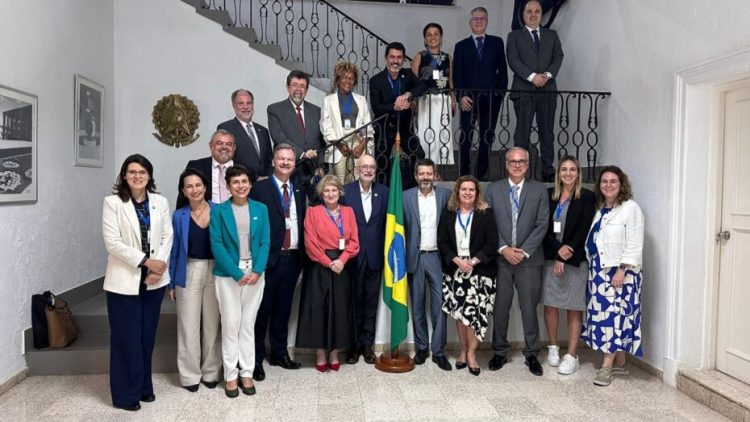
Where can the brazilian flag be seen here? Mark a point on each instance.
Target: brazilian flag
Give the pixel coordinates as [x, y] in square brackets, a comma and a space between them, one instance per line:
[395, 287]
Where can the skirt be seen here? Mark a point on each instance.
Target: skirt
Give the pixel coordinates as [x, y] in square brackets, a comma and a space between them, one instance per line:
[566, 292]
[326, 314]
[469, 299]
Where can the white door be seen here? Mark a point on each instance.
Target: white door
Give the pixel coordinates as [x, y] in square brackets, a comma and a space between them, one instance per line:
[733, 331]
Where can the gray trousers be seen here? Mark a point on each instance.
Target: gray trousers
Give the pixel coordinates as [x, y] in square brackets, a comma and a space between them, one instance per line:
[428, 279]
[528, 283]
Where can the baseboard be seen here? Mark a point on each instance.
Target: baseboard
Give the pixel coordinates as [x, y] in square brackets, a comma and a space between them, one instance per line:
[645, 366]
[13, 381]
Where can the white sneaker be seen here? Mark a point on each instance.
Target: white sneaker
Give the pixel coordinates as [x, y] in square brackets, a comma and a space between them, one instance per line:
[553, 356]
[568, 365]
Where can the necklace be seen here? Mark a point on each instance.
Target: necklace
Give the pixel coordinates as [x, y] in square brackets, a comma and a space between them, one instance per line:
[197, 214]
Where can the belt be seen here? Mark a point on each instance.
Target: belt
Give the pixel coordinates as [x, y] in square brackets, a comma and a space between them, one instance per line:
[288, 252]
[426, 252]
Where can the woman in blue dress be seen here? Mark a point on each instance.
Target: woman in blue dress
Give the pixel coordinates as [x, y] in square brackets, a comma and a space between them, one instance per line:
[614, 249]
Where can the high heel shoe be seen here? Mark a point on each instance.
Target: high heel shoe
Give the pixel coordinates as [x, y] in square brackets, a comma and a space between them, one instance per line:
[334, 366]
[321, 367]
[460, 365]
[474, 371]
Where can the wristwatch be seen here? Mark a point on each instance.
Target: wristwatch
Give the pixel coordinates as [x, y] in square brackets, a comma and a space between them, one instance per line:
[623, 267]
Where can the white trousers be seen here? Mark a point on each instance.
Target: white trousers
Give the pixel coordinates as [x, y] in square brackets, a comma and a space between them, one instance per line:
[239, 307]
[198, 346]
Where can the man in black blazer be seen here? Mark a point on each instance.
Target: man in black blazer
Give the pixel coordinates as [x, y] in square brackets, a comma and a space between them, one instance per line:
[297, 122]
[369, 200]
[479, 66]
[286, 213]
[535, 56]
[222, 151]
[253, 141]
[390, 93]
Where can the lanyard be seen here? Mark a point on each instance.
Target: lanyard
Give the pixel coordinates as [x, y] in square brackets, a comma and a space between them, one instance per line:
[144, 218]
[435, 63]
[514, 198]
[397, 84]
[465, 227]
[284, 204]
[347, 105]
[340, 223]
[559, 208]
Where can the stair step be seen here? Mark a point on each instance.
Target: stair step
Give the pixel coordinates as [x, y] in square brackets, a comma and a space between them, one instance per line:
[292, 65]
[271, 50]
[91, 316]
[219, 16]
[245, 34]
[195, 3]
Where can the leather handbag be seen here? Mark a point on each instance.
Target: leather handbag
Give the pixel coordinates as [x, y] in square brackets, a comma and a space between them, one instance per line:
[60, 328]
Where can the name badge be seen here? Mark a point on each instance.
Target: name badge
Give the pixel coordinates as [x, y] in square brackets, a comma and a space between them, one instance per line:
[557, 226]
[288, 222]
[464, 243]
[341, 244]
[436, 74]
[347, 123]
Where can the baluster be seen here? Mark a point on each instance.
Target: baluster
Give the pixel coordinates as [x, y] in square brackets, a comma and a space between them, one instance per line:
[263, 22]
[276, 9]
[314, 44]
[289, 29]
[302, 26]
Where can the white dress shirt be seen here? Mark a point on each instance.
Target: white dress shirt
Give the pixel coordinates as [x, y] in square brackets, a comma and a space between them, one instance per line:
[366, 201]
[539, 35]
[427, 220]
[215, 180]
[294, 232]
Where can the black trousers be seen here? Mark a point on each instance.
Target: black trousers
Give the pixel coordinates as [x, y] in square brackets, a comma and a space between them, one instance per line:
[543, 105]
[132, 324]
[484, 115]
[276, 306]
[366, 283]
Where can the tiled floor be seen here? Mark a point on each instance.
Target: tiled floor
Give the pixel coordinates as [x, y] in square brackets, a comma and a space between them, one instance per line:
[360, 392]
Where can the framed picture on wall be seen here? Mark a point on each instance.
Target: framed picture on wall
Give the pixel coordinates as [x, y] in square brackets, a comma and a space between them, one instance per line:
[89, 115]
[18, 129]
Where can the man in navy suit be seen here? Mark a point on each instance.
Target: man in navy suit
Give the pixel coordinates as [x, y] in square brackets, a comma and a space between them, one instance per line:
[370, 203]
[286, 215]
[222, 151]
[254, 149]
[535, 56]
[479, 64]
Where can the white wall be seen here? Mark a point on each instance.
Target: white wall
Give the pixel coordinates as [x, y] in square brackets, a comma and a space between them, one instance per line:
[54, 244]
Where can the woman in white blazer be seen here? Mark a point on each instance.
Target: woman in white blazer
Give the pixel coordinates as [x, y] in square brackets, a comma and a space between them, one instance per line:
[614, 249]
[343, 111]
[138, 237]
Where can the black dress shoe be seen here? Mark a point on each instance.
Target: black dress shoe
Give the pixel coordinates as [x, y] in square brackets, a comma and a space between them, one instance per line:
[285, 362]
[352, 356]
[534, 366]
[461, 365]
[474, 371]
[369, 355]
[130, 407]
[442, 363]
[191, 388]
[210, 384]
[258, 373]
[421, 356]
[497, 362]
[148, 398]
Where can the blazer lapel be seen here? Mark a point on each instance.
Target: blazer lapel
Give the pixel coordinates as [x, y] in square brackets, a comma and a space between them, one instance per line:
[505, 197]
[133, 219]
[185, 223]
[229, 224]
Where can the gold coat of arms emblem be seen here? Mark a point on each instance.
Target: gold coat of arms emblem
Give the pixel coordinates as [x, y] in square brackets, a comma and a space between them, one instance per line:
[176, 119]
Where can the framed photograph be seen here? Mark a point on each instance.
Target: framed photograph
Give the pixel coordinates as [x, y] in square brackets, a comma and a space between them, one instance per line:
[18, 164]
[88, 122]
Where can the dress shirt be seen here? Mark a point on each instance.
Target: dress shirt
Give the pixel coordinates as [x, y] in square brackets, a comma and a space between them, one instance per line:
[294, 232]
[427, 220]
[460, 234]
[539, 35]
[366, 201]
[252, 133]
[215, 180]
[520, 188]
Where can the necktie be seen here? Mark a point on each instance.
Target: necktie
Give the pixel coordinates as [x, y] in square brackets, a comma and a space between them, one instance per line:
[535, 33]
[253, 140]
[299, 118]
[288, 232]
[223, 192]
[480, 45]
[514, 205]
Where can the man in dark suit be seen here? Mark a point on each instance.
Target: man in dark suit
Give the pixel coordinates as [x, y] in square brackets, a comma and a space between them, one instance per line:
[286, 214]
[521, 209]
[478, 67]
[370, 203]
[535, 56]
[254, 149]
[222, 150]
[297, 122]
[422, 208]
[390, 92]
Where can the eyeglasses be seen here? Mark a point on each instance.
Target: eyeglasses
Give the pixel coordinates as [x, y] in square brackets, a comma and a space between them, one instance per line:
[479, 18]
[134, 173]
[365, 167]
[517, 163]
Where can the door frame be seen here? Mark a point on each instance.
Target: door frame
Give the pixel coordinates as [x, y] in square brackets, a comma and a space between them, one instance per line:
[697, 171]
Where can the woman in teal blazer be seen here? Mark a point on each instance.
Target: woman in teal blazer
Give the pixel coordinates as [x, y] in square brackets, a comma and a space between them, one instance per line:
[240, 242]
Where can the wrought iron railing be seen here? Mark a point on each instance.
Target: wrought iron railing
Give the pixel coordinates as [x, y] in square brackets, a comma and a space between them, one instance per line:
[313, 32]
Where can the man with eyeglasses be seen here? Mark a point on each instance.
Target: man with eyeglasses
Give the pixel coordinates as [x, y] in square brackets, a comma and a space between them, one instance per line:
[222, 152]
[521, 210]
[369, 200]
[480, 76]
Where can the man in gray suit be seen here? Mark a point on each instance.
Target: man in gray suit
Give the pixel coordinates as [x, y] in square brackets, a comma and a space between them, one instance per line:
[535, 56]
[521, 210]
[422, 208]
[297, 122]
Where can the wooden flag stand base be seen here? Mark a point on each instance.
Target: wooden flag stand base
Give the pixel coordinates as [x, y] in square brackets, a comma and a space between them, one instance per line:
[394, 363]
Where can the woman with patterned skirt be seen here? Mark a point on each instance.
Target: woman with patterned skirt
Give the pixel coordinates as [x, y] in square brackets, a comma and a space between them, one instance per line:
[467, 240]
[614, 249]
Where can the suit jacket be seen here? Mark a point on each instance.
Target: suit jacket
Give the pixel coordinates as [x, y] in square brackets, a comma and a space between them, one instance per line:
[333, 128]
[179, 255]
[371, 232]
[122, 240]
[204, 166]
[482, 242]
[532, 218]
[225, 243]
[524, 59]
[264, 191]
[245, 153]
[411, 222]
[381, 100]
[488, 72]
[577, 223]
